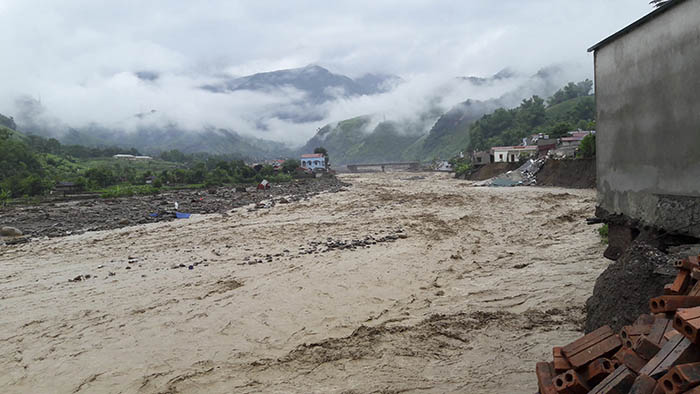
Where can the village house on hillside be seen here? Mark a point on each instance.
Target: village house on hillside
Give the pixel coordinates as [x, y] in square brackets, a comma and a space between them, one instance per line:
[480, 158]
[131, 157]
[648, 123]
[512, 154]
[313, 161]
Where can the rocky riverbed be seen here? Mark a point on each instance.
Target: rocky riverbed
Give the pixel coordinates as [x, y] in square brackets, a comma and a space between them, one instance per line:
[58, 219]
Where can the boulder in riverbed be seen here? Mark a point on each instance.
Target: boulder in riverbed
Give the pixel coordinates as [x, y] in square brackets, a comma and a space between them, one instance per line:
[7, 231]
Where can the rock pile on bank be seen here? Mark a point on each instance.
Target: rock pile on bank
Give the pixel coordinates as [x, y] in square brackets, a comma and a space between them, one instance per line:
[75, 217]
[658, 353]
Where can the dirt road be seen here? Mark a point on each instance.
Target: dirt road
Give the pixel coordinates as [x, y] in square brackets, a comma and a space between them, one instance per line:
[445, 288]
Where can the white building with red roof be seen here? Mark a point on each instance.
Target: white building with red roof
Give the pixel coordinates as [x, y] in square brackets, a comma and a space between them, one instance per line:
[313, 161]
[512, 154]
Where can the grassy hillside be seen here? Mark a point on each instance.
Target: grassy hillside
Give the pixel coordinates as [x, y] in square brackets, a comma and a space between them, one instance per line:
[357, 141]
[450, 134]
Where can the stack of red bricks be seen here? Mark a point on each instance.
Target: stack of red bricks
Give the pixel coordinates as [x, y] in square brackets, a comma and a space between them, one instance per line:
[659, 353]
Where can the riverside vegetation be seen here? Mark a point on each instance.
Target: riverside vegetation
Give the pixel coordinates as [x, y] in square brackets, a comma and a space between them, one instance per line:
[31, 166]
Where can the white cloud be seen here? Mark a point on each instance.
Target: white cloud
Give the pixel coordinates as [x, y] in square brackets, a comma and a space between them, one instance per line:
[79, 56]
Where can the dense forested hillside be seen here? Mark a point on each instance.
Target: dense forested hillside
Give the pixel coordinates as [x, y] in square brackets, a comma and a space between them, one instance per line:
[568, 109]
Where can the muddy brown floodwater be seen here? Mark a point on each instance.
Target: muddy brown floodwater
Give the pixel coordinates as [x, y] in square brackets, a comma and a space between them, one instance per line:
[425, 285]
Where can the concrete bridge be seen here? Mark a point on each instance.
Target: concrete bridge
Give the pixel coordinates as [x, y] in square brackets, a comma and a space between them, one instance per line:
[410, 166]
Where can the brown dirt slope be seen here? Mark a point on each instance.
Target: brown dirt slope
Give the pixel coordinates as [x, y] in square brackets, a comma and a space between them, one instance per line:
[576, 174]
[623, 290]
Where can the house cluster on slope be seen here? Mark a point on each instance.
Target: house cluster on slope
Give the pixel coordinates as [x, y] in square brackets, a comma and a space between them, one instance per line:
[537, 145]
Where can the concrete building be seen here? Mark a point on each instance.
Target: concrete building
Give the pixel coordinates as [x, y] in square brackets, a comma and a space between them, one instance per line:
[512, 154]
[313, 161]
[480, 158]
[648, 122]
[545, 145]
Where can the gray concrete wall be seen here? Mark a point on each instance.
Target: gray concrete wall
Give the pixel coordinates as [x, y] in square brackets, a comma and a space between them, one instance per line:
[648, 137]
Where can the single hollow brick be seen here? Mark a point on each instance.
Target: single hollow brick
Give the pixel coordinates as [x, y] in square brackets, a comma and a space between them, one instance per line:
[599, 343]
[688, 263]
[695, 290]
[671, 303]
[561, 364]
[681, 378]
[632, 360]
[643, 384]
[681, 283]
[631, 334]
[597, 370]
[570, 382]
[645, 348]
[545, 375]
[618, 382]
[678, 350]
[687, 322]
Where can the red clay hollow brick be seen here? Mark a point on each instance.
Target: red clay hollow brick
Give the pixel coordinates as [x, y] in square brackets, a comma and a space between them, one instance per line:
[681, 378]
[671, 303]
[600, 343]
[597, 370]
[678, 350]
[682, 282]
[629, 337]
[545, 375]
[633, 361]
[570, 382]
[561, 364]
[643, 385]
[688, 263]
[687, 322]
[645, 348]
[695, 290]
[618, 382]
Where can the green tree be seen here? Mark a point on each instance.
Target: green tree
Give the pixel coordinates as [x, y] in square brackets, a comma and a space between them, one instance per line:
[101, 176]
[587, 147]
[530, 114]
[197, 174]
[290, 165]
[559, 130]
[324, 152]
[571, 91]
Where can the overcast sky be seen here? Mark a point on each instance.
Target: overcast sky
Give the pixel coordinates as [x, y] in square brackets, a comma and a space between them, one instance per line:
[79, 56]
